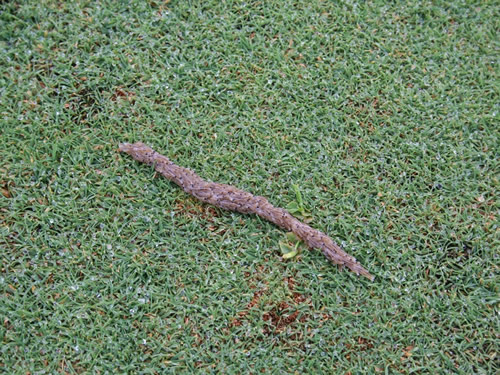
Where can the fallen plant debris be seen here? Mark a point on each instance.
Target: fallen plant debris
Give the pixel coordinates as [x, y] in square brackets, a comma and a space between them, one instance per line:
[230, 198]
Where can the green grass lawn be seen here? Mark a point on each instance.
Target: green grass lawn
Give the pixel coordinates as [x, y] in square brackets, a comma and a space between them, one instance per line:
[385, 116]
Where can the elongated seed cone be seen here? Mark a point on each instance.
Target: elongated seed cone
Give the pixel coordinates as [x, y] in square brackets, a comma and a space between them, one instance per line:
[230, 198]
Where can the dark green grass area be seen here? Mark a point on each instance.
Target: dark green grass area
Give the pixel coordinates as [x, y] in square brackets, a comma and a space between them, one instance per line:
[385, 116]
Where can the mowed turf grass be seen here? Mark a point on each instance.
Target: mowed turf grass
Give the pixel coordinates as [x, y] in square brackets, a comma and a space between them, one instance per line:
[385, 116]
